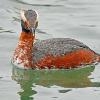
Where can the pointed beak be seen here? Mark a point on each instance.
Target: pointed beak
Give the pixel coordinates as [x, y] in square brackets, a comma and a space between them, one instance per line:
[33, 30]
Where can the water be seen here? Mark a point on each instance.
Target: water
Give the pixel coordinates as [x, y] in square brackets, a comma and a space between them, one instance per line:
[78, 19]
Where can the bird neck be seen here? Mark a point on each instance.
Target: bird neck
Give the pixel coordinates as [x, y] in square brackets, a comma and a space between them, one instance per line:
[23, 54]
[27, 37]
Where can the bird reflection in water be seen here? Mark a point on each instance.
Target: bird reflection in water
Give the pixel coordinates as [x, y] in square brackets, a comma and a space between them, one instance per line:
[28, 79]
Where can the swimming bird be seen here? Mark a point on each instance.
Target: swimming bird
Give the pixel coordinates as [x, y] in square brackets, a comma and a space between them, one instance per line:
[54, 53]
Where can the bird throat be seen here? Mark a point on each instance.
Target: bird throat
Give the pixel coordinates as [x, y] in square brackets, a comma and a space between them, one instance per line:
[25, 29]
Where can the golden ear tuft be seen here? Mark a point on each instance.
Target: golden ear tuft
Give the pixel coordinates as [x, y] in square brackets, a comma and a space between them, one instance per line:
[37, 15]
[22, 13]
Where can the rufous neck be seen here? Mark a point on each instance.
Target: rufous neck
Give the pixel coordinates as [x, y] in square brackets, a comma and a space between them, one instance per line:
[27, 37]
[23, 53]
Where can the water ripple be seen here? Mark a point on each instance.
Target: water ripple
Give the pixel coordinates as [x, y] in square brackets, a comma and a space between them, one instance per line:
[5, 31]
[16, 19]
[1, 77]
[65, 91]
[46, 5]
[40, 31]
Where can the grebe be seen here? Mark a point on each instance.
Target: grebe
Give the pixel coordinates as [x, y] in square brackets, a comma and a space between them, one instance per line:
[55, 53]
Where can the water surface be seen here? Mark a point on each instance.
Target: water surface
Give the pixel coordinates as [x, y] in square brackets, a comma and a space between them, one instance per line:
[78, 19]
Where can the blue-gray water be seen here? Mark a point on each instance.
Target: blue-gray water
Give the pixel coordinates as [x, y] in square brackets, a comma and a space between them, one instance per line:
[78, 19]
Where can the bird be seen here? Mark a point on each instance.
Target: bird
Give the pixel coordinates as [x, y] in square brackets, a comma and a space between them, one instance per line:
[53, 53]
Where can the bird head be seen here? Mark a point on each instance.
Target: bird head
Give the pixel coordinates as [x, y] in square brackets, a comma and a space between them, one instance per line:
[29, 20]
